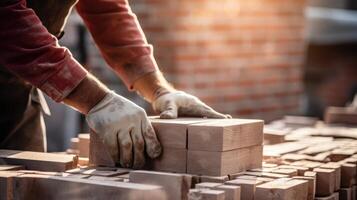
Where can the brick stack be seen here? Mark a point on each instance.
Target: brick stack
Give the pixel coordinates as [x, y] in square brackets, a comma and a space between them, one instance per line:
[210, 147]
[320, 165]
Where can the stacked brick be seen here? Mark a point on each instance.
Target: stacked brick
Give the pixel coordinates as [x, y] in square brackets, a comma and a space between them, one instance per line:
[314, 161]
[211, 147]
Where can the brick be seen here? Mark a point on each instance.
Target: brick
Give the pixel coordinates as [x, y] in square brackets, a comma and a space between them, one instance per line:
[337, 168]
[83, 144]
[82, 161]
[36, 186]
[308, 164]
[103, 178]
[231, 192]
[300, 170]
[171, 160]
[74, 143]
[345, 193]
[10, 167]
[214, 179]
[311, 185]
[341, 115]
[248, 187]
[299, 121]
[39, 161]
[6, 184]
[348, 175]
[325, 181]
[225, 135]
[283, 148]
[100, 171]
[172, 133]
[334, 196]
[249, 177]
[287, 171]
[206, 194]
[176, 186]
[341, 154]
[206, 185]
[282, 189]
[266, 175]
[224, 163]
[274, 136]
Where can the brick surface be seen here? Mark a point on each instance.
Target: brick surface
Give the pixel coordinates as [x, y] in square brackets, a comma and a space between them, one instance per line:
[248, 187]
[176, 186]
[224, 163]
[39, 161]
[36, 186]
[280, 189]
[171, 160]
[325, 181]
[225, 135]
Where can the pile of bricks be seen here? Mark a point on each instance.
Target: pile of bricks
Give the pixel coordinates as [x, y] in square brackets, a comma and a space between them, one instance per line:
[202, 159]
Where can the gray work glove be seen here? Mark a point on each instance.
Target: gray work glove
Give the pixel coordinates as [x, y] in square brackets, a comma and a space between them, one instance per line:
[125, 130]
[178, 103]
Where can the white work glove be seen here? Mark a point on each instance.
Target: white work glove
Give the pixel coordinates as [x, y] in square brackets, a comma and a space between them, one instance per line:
[178, 103]
[125, 130]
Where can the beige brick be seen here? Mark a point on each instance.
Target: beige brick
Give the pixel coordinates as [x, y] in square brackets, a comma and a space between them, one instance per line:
[39, 161]
[248, 187]
[300, 170]
[346, 194]
[225, 135]
[232, 192]
[83, 144]
[348, 175]
[325, 181]
[11, 167]
[175, 185]
[311, 185]
[172, 133]
[282, 189]
[6, 184]
[337, 167]
[215, 179]
[334, 196]
[171, 160]
[224, 163]
[207, 185]
[206, 194]
[42, 187]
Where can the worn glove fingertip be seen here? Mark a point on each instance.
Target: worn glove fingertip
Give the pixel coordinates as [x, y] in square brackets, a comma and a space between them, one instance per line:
[155, 152]
[168, 114]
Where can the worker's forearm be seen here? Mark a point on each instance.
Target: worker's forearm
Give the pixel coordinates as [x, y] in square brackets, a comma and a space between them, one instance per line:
[152, 85]
[87, 94]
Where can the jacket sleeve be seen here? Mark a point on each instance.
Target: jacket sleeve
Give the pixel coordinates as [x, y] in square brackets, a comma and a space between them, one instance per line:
[117, 33]
[30, 52]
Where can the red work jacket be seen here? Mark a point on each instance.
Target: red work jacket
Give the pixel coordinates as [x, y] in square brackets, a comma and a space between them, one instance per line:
[30, 50]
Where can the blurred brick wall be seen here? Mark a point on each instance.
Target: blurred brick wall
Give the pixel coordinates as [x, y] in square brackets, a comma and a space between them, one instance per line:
[241, 57]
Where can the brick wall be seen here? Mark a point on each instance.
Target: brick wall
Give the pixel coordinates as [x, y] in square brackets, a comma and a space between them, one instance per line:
[241, 57]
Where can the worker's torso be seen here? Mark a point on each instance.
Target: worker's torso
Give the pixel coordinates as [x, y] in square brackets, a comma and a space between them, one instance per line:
[16, 93]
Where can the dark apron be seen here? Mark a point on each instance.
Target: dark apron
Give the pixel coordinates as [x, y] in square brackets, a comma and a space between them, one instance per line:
[21, 120]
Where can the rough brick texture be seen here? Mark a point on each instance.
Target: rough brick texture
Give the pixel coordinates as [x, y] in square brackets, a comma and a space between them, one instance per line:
[241, 57]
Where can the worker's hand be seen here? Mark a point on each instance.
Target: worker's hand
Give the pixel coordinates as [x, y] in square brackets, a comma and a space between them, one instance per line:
[125, 129]
[178, 103]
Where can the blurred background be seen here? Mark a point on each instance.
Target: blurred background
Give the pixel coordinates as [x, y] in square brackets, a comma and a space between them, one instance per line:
[252, 59]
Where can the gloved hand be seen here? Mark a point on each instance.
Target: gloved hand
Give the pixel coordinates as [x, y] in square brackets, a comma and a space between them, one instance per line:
[178, 103]
[125, 130]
